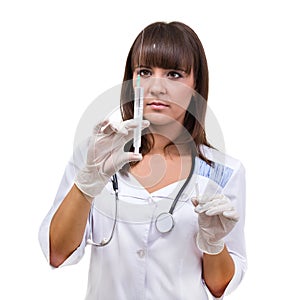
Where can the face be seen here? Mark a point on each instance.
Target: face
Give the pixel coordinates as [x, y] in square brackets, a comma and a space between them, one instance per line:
[167, 94]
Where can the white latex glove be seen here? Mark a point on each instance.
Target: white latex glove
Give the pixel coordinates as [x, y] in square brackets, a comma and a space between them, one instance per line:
[106, 155]
[216, 218]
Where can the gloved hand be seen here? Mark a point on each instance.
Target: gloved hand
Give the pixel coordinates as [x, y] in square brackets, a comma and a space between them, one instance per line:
[106, 155]
[216, 218]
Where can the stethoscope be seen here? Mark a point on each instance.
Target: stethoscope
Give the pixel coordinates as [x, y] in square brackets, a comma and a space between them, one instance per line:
[164, 222]
[106, 241]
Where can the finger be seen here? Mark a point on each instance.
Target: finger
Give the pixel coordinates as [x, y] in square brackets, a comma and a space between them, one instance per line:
[201, 204]
[145, 124]
[99, 127]
[114, 127]
[220, 209]
[128, 157]
[105, 127]
[214, 206]
[206, 199]
[124, 138]
[108, 127]
[233, 215]
[199, 209]
[114, 164]
[134, 123]
[134, 157]
[195, 201]
[124, 127]
[200, 200]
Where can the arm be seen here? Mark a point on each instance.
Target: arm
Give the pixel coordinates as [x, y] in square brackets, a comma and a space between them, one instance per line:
[218, 271]
[221, 235]
[217, 217]
[105, 156]
[68, 225]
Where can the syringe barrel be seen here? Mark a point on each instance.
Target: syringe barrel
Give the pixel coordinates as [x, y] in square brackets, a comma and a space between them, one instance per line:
[138, 115]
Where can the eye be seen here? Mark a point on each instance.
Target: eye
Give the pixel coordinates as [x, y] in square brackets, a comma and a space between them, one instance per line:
[144, 73]
[174, 75]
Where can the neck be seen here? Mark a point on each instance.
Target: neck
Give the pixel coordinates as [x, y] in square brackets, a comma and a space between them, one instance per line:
[164, 138]
[164, 146]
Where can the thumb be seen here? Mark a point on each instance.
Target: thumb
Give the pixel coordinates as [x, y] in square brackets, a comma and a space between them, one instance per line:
[125, 158]
[134, 156]
[195, 201]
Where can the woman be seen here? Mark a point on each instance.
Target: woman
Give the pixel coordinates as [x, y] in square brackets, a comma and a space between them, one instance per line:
[178, 233]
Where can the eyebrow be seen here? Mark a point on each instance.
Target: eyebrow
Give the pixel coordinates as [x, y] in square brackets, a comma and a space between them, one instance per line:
[141, 66]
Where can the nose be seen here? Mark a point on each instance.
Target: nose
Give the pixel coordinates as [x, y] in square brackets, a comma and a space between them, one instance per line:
[157, 86]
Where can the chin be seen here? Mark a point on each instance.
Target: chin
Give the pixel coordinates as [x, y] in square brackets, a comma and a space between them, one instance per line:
[164, 122]
[158, 118]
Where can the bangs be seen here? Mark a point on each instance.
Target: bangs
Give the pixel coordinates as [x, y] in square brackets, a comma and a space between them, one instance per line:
[164, 47]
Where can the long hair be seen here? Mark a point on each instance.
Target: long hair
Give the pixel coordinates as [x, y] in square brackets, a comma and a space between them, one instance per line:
[176, 46]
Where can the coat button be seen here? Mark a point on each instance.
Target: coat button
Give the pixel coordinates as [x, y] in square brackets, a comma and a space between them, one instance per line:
[141, 253]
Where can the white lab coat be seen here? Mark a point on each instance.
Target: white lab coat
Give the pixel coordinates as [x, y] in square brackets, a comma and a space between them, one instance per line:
[141, 263]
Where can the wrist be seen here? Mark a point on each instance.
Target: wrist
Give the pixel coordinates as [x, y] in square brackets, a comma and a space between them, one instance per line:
[90, 182]
[209, 247]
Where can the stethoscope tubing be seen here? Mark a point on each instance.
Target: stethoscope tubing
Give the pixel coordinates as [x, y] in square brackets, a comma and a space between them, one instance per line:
[164, 222]
[106, 241]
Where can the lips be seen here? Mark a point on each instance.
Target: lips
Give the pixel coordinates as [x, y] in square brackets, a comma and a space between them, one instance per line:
[157, 105]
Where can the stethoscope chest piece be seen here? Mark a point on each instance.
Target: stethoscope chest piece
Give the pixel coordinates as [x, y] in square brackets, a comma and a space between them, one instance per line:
[164, 222]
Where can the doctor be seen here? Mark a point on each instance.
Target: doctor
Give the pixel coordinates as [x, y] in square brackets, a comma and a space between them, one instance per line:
[177, 174]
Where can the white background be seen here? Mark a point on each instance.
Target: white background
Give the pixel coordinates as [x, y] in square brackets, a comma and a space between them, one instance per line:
[58, 56]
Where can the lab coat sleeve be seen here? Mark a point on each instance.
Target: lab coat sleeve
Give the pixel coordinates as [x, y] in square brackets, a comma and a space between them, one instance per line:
[235, 189]
[66, 183]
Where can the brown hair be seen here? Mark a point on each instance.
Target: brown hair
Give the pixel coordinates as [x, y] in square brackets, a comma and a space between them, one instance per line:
[177, 46]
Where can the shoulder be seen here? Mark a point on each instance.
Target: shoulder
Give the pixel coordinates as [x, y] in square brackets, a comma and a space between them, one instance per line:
[223, 166]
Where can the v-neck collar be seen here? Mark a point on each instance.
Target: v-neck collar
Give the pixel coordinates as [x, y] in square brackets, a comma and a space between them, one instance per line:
[132, 186]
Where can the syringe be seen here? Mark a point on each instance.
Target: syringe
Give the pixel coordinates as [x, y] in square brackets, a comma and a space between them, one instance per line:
[138, 115]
